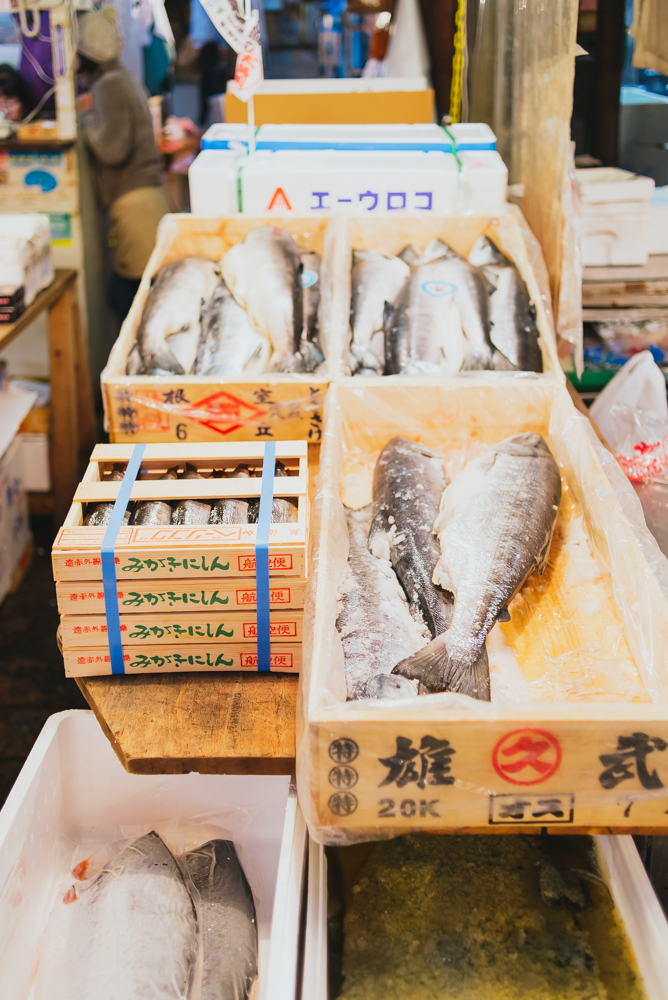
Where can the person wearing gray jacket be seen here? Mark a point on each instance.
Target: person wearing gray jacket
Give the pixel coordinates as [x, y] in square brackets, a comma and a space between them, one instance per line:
[116, 123]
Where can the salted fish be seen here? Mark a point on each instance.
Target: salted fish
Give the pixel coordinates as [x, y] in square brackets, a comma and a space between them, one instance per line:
[283, 511]
[311, 262]
[373, 620]
[155, 511]
[169, 331]
[423, 329]
[191, 511]
[377, 278]
[130, 935]
[264, 275]
[495, 527]
[227, 921]
[228, 343]
[99, 514]
[231, 510]
[513, 332]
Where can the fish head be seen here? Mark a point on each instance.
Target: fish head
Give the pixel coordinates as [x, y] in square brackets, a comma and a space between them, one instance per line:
[527, 445]
[484, 252]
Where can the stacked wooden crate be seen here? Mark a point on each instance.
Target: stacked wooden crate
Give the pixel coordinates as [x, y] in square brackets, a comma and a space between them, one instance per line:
[186, 592]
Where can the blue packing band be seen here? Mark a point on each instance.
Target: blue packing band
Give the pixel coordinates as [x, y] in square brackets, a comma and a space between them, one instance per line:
[262, 556]
[108, 553]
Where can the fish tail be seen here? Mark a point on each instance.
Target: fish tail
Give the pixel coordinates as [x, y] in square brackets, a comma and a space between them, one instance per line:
[445, 665]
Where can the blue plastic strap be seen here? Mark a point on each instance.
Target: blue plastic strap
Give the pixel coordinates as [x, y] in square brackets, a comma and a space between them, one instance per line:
[262, 556]
[108, 553]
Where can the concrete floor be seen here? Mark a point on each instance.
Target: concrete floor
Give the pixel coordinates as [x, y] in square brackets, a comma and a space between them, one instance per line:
[32, 678]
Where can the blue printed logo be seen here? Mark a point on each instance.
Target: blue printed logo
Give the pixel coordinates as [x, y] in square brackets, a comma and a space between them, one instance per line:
[438, 289]
[308, 278]
[42, 179]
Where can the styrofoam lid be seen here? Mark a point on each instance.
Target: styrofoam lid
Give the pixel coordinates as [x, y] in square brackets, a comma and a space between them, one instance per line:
[599, 184]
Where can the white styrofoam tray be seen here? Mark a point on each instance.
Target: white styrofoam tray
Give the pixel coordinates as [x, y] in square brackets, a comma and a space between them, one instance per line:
[631, 890]
[73, 789]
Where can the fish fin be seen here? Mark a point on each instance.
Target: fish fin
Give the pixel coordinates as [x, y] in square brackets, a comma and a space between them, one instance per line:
[441, 576]
[477, 363]
[163, 364]
[503, 616]
[134, 364]
[500, 362]
[388, 309]
[388, 686]
[444, 666]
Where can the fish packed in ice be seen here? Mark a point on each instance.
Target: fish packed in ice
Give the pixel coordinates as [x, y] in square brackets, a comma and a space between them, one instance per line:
[433, 312]
[261, 315]
[149, 926]
[494, 522]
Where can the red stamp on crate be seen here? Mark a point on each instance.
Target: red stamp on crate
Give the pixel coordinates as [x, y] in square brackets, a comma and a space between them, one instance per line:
[277, 661]
[276, 563]
[527, 756]
[277, 630]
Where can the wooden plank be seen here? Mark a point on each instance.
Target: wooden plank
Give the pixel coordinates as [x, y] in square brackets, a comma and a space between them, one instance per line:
[190, 489]
[637, 315]
[198, 451]
[625, 294]
[64, 410]
[655, 269]
[45, 299]
[210, 723]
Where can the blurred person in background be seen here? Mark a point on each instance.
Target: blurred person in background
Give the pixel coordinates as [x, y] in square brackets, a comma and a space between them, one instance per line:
[14, 96]
[115, 121]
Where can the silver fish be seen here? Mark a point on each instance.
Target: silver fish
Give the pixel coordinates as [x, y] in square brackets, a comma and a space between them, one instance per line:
[513, 318]
[155, 511]
[230, 510]
[227, 919]
[191, 511]
[311, 262]
[168, 334]
[283, 511]
[410, 255]
[131, 934]
[423, 329]
[228, 344]
[99, 514]
[435, 249]
[495, 528]
[374, 621]
[377, 278]
[264, 275]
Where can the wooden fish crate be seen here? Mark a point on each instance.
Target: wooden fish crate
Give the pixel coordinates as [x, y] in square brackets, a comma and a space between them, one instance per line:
[509, 231]
[204, 408]
[575, 738]
[154, 597]
[95, 661]
[207, 552]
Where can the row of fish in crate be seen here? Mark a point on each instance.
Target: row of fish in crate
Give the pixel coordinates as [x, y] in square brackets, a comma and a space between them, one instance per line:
[186, 589]
[238, 325]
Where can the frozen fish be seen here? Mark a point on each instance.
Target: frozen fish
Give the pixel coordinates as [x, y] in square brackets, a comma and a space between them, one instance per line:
[495, 527]
[227, 921]
[130, 935]
[99, 514]
[155, 511]
[513, 317]
[264, 275]
[191, 511]
[231, 510]
[169, 331]
[377, 278]
[374, 620]
[228, 344]
[410, 255]
[283, 511]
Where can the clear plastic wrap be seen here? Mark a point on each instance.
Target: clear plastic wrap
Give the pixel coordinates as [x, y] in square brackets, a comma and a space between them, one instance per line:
[579, 673]
[569, 303]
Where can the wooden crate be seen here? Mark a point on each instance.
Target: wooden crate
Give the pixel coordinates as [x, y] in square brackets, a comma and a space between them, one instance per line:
[587, 737]
[203, 408]
[82, 631]
[95, 662]
[154, 597]
[179, 552]
[509, 231]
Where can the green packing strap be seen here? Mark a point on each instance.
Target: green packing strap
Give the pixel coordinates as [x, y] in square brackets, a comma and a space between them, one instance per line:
[454, 147]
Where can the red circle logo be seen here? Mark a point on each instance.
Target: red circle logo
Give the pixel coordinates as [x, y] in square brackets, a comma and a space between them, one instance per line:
[527, 756]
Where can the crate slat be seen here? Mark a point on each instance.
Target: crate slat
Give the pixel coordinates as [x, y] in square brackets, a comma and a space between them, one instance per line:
[155, 596]
[190, 489]
[93, 662]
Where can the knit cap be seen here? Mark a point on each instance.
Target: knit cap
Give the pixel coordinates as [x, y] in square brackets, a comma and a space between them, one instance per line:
[99, 36]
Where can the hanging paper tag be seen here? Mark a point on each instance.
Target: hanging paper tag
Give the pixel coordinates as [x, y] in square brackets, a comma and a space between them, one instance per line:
[249, 72]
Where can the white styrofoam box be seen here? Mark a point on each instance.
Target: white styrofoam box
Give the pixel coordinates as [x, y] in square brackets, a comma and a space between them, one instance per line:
[483, 182]
[14, 527]
[222, 135]
[320, 182]
[615, 233]
[606, 184]
[72, 790]
[658, 221]
[472, 136]
[35, 462]
[632, 893]
[213, 180]
[25, 252]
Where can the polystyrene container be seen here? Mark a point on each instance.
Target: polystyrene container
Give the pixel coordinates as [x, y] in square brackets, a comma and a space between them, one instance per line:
[636, 903]
[25, 252]
[73, 790]
[212, 179]
[483, 182]
[605, 184]
[615, 233]
[658, 221]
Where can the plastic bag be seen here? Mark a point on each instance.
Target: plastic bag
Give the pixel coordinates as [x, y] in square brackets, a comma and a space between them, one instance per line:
[632, 414]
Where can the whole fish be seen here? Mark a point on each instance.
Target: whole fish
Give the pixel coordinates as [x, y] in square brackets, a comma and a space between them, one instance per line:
[99, 514]
[131, 934]
[228, 344]
[283, 511]
[374, 620]
[230, 510]
[311, 262]
[377, 278]
[155, 511]
[495, 527]
[264, 275]
[191, 511]
[423, 329]
[168, 333]
[227, 920]
[513, 318]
